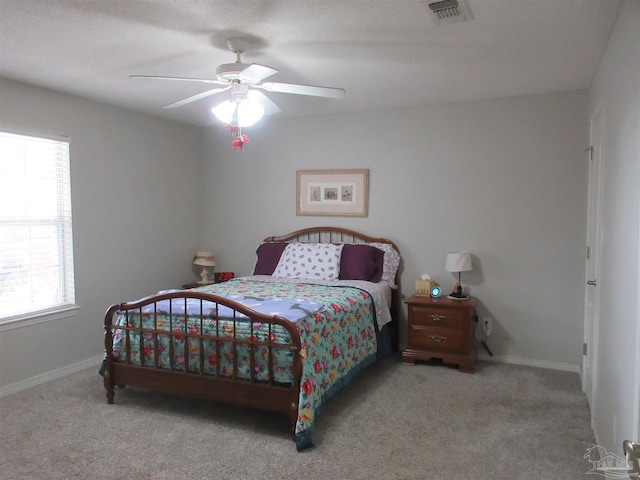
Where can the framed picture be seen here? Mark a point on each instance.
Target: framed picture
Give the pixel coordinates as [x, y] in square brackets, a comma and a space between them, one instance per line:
[332, 193]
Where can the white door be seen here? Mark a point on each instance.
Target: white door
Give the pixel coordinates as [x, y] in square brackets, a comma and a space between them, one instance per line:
[594, 242]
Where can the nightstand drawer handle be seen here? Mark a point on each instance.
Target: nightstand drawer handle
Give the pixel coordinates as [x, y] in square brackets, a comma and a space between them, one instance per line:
[437, 318]
[437, 338]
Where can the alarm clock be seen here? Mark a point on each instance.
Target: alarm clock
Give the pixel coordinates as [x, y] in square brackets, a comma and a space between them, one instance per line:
[435, 291]
[223, 276]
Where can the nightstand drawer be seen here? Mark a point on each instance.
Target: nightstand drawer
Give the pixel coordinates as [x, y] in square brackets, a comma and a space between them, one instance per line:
[436, 317]
[436, 339]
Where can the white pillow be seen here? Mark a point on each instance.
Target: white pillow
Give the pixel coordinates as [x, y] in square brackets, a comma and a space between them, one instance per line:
[318, 261]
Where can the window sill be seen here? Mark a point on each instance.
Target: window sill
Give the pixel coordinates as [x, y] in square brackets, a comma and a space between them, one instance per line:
[34, 318]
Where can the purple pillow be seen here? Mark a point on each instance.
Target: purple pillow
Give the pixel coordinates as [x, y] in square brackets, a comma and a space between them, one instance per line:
[268, 257]
[361, 262]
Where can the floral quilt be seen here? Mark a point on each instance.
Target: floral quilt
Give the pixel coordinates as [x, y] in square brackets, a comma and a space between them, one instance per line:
[338, 333]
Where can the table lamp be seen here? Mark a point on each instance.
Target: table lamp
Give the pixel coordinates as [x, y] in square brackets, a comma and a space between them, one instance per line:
[458, 262]
[204, 259]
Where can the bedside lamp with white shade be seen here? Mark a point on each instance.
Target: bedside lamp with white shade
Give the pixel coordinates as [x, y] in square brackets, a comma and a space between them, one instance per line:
[205, 260]
[458, 262]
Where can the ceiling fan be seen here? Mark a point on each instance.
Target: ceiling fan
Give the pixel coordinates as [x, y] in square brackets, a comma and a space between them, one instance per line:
[245, 81]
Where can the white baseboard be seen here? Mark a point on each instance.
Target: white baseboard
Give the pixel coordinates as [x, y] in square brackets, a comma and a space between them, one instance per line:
[596, 433]
[531, 362]
[47, 377]
[76, 367]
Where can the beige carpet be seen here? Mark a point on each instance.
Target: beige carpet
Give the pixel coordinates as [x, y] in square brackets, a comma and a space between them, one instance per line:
[393, 422]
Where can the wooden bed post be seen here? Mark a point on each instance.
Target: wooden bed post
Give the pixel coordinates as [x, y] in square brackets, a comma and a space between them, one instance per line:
[108, 352]
[296, 370]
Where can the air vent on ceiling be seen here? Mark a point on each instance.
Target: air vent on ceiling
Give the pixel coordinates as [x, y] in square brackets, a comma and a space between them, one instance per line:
[448, 11]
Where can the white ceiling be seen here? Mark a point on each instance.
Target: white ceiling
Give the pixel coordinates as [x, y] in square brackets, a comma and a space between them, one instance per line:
[384, 53]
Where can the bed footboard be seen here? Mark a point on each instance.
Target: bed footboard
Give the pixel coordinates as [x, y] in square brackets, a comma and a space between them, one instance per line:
[204, 346]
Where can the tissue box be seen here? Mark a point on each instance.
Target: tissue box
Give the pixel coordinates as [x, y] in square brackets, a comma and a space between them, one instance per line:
[423, 287]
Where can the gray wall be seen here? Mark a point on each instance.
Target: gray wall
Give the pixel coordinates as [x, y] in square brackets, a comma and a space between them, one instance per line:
[135, 187]
[616, 88]
[504, 179]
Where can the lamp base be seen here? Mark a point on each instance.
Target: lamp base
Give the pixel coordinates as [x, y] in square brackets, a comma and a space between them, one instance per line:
[455, 297]
[204, 277]
[457, 294]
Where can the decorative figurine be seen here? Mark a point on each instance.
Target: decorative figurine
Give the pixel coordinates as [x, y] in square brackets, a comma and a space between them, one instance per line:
[239, 142]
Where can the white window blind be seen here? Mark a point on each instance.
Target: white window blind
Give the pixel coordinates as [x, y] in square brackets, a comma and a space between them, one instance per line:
[36, 249]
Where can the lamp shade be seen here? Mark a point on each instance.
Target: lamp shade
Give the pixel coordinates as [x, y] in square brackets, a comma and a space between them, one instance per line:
[247, 111]
[204, 259]
[458, 262]
[225, 111]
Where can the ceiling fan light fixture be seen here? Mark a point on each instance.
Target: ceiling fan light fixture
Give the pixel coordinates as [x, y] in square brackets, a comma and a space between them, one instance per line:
[249, 112]
[247, 105]
[230, 71]
[225, 111]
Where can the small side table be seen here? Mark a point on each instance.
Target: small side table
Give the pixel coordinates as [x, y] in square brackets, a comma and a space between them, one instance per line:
[189, 286]
[439, 327]
[219, 277]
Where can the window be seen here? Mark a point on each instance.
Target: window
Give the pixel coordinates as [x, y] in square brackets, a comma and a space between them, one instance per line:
[36, 251]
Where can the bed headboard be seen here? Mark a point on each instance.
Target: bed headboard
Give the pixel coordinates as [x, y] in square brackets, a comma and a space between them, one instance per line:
[328, 235]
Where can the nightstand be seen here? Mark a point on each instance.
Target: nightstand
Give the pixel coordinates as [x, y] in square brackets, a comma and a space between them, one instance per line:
[439, 327]
[189, 286]
[219, 277]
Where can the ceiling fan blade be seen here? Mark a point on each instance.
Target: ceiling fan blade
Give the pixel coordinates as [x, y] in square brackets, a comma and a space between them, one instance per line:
[255, 73]
[199, 96]
[312, 90]
[270, 108]
[182, 79]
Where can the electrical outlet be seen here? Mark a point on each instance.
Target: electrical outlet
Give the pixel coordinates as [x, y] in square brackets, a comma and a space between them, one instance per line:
[486, 325]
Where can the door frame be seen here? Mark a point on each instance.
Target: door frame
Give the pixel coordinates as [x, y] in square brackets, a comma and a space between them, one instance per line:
[593, 259]
[637, 375]
[636, 411]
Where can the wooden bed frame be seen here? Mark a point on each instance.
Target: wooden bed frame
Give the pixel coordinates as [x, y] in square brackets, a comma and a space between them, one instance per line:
[266, 395]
